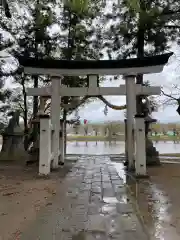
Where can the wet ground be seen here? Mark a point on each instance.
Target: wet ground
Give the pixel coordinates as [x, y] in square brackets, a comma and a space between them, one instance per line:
[105, 148]
[158, 201]
[93, 202]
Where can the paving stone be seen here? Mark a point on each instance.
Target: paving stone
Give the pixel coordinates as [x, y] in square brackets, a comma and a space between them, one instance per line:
[116, 236]
[96, 189]
[109, 209]
[134, 235]
[120, 189]
[96, 198]
[129, 222]
[108, 192]
[95, 236]
[96, 223]
[124, 208]
[94, 208]
[123, 198]
[92, 204]
[117, 182]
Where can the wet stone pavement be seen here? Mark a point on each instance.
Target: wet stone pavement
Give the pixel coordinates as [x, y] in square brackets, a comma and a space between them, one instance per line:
[92, 203]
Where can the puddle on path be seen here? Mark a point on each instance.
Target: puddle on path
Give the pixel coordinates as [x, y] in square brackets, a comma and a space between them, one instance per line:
[109, 209]
[89, 236]
[110, 200]
[155, 206]
[79, 236]
[110, 206]
[120, 169]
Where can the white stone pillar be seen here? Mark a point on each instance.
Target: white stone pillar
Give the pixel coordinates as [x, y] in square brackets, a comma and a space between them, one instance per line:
[42, 105]
[140, 146]
[44, 145]
[61, 134]
[125, 139]
[55, 118]
[93, 81]
[131, 109]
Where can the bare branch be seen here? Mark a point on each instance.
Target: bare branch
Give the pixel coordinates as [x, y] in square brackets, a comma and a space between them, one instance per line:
[21, 106]
[169, 13]
[169, 96]
[73, 106]
[47, 106]
[168, 102]
[171, 26]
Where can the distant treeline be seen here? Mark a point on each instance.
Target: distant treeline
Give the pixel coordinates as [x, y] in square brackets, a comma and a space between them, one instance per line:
[119, 127]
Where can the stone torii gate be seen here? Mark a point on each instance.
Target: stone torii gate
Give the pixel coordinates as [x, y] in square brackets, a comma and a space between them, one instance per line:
[128, 68]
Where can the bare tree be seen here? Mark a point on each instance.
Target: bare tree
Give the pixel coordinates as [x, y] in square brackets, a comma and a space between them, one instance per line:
[172, 99]
[171, 92]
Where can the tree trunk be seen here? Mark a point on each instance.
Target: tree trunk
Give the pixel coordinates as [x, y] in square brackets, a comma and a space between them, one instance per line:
[25, 117]
[35, 77]
[35, 109]
[140, 54]
[152, 156]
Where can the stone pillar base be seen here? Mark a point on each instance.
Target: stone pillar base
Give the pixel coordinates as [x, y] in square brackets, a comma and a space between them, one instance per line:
[152, 155]
[13, 148]
[20, 156]
[146, 176]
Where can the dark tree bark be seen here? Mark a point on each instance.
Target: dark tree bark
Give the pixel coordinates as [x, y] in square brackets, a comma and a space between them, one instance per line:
[25, 115]
[140, 54]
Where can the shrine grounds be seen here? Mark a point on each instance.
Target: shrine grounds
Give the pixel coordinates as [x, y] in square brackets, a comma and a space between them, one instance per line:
[28, 203]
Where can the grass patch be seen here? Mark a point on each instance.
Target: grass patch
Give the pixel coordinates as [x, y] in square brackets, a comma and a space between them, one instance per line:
[170, 154]
[164, 138]
[91, 138]
[119, 138]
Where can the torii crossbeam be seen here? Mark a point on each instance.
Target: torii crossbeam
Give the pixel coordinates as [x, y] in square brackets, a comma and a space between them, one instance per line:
[56, 68]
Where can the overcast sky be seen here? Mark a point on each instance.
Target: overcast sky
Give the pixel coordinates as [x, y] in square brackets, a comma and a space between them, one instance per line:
[93, 112]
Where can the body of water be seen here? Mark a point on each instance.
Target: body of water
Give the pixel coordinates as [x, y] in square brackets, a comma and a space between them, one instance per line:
[101, 148]
[105, 148]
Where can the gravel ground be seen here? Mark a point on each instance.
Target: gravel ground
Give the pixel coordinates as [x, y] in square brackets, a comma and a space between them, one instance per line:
[22, 194]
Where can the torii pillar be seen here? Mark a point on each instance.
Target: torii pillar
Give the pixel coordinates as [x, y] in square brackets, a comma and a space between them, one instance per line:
[55, 119]
[131, 110]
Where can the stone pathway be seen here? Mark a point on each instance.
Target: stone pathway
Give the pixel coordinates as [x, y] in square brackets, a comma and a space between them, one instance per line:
[93, 203]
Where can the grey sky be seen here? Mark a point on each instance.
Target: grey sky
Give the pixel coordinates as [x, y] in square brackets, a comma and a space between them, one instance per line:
[93, 112]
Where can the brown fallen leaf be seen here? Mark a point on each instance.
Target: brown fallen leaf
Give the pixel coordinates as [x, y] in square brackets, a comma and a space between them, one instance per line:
[17, 235]
[9, 193]
[3, 214]
[48, 204]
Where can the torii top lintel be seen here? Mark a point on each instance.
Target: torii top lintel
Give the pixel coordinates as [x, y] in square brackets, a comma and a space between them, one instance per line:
[131, 66]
